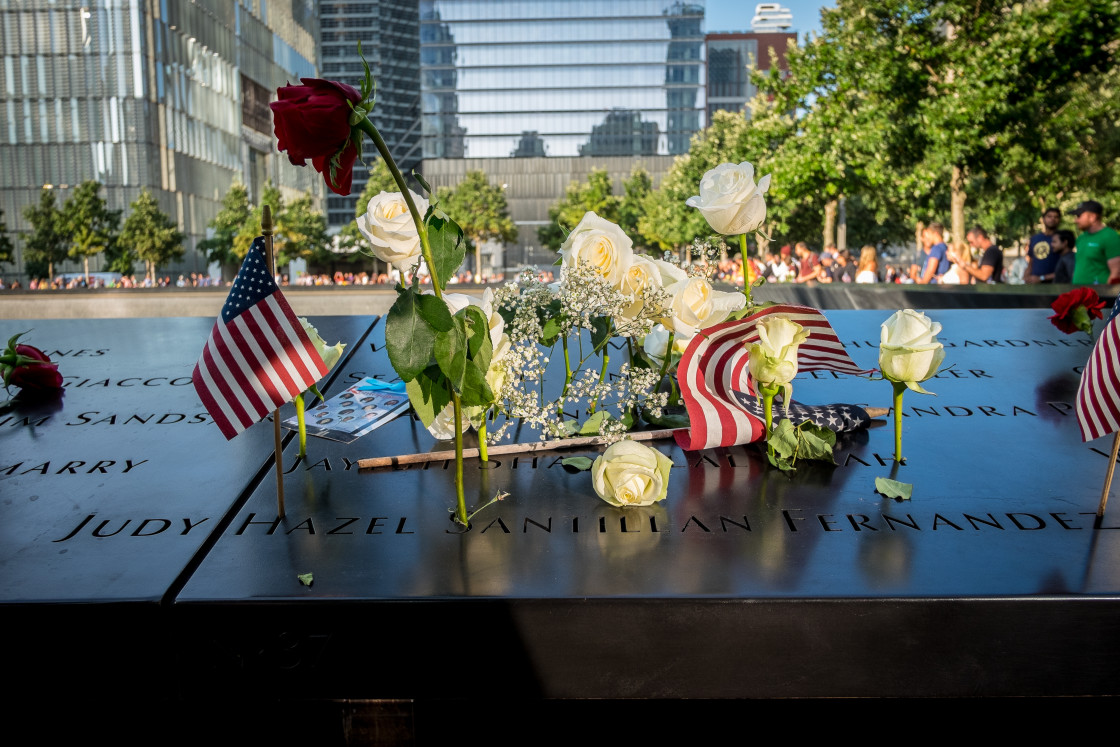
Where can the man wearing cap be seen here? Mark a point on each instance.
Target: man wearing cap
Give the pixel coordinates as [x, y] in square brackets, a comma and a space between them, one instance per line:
[1042, 259]
[1098, 247]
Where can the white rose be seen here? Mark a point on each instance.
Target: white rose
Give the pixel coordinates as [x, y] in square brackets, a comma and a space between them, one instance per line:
[456, 302]
[391, 232]
[443, 427]
[329, 353]
[601, 244]
[642, 275]
[909, 352]
[631, 474]
[773, 359]
[696, 306]
[730, 200]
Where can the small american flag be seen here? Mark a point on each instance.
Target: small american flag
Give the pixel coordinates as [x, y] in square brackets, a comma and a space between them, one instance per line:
[258, 357]
[1098, 396]
[714, 368]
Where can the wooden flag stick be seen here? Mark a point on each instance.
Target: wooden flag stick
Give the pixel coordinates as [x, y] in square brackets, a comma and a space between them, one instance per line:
[270, 258]
[1108, 475]
[560, 443]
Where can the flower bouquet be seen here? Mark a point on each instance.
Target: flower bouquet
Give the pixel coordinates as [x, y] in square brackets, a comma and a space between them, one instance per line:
[494, 362]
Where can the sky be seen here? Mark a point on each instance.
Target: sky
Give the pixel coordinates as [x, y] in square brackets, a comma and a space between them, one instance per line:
[735, 15]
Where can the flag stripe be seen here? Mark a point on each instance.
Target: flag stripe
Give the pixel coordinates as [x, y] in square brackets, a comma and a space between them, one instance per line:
[257, 356]
[714, 367]
[1098, 401]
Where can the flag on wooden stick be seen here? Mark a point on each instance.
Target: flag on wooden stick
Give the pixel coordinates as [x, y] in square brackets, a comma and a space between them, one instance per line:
[1098, 396]
[714, 367]
[258, 356]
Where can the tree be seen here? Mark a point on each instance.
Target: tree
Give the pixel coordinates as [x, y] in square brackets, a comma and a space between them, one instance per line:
[226, 224]
[250, 228]
[5, 242]
[930, 106]
[46, 243]
[89, 222]
[151, 233]
[636, 190]
[481, 211]
[301, 232]
[595, 195]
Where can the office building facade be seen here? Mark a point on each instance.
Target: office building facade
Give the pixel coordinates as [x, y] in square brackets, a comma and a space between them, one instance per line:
[731, 56]
[389, 32]
[157, 94]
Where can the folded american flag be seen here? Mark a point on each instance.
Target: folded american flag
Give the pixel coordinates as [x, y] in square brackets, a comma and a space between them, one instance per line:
[714, 368]
[1098, 396]
[258, 356]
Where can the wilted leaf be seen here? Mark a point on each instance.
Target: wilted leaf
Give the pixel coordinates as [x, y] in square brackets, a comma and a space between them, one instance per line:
[306, 578]
[893, 488]
[578, 463]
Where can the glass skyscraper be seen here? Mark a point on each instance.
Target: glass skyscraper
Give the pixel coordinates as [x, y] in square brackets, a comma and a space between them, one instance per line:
[389, 31]
[507, 78]
[167, 95]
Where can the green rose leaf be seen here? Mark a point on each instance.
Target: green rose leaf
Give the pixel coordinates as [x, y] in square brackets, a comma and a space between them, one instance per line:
[816, 443]
[479, 346]
[448, 247]
[451, 352]
[409, 337]
[600, 332]
[423, 182]
[580, 464]
[475, 392]
[306, 578]
[435, 312]
[550, 332]
[591, 426]
[429, 393]
[670, 417]
[893, 488]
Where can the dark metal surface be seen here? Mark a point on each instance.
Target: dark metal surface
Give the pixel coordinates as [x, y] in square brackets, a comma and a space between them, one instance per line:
[109, 491]
[993, 580]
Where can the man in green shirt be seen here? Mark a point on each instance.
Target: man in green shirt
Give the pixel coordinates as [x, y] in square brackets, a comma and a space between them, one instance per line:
[1098, 247]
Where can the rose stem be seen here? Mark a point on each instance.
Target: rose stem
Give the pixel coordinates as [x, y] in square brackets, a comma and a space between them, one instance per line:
[746, 274]
[668, 356]
[482, 441]
[898, 391]
[426, 249]
[567, 380]
[602, 375]
[768, 393]
[301, 418]
[461, 501]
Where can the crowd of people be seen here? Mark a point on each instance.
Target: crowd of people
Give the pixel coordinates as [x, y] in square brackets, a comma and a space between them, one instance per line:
[1054, 255]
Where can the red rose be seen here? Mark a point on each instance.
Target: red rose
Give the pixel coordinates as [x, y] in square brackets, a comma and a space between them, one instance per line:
[39, 375]
[1074, 310]
[313, 121]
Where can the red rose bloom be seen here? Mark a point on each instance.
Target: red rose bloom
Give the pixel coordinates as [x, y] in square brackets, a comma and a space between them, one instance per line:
[1068, 316]
[313, 121]
[41, 376]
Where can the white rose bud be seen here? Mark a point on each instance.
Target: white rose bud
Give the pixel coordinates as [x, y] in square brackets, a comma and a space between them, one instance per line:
[388, 226]
[696, 306]
[730, 200]
[601, 244]
[631, 474]
[330, 354]
[773, 359]
[909, 352]
[443, 427]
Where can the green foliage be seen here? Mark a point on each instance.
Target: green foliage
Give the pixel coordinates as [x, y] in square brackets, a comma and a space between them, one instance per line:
[88, 221]
[595, 195]
[480, 209]
[250, 228]
[151, 233]
[806, 441]
[226, 224]
[448, 247]
[5, 242]
[636, 191]
[46, 243]
[301, 233]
